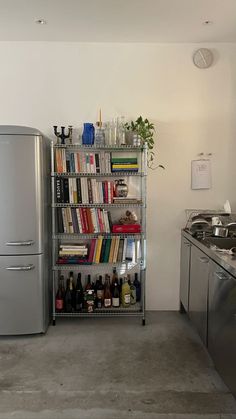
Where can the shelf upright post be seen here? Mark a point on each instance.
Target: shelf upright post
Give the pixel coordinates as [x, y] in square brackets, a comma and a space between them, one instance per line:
[53, 230]
[144, 226]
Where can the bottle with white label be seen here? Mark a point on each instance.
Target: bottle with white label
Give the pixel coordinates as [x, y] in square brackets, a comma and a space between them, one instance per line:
[115, 295]
[125, 293]
[107, 292]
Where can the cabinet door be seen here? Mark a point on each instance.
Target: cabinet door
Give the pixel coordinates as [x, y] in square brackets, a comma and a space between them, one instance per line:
[184, 272]
[21, 294]
[198, 292]
[21, 204]
[222, 323]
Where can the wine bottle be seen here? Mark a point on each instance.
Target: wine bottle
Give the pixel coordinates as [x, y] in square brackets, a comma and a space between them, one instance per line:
[68, 297]
[72, 290]
[137, 285]
[59, 303]
[133, 297]
[107, 293]
[79, 294]
[116, 295]
[125, 293]
[88, 285]
[114, 279]
[100, 292]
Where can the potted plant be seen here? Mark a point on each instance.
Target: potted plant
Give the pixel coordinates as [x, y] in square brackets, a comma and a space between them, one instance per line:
[142, 131]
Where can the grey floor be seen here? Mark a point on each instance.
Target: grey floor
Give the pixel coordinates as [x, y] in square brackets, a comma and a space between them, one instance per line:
[112, 369]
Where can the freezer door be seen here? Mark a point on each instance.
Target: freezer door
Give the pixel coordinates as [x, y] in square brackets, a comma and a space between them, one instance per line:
[21, 203]
[22, 288]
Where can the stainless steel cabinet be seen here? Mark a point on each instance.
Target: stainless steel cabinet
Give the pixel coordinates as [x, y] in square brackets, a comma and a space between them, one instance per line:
[184, 272]
[198, 291]
[222, 323]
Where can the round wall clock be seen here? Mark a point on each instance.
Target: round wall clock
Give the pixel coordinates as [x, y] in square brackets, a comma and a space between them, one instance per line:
[203, 58]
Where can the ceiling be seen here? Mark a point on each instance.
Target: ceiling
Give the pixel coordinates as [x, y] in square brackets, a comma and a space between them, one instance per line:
[118, 20]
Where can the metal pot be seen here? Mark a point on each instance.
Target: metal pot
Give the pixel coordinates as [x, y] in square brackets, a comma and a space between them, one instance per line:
[220, 231]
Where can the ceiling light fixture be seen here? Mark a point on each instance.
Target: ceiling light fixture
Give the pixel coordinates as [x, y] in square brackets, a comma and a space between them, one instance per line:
[41, 21]
[207, 22]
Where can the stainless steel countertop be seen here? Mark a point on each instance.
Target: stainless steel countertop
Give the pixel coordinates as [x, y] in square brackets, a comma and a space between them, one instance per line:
[226, 261]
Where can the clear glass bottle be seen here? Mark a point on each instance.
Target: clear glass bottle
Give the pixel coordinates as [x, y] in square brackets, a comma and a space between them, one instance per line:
[99, 135]
[125, 293]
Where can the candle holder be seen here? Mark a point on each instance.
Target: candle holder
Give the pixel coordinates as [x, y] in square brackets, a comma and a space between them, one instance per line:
[61, 136]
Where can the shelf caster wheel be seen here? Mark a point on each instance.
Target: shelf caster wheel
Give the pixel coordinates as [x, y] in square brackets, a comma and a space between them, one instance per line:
[54, 322]
[143, 322]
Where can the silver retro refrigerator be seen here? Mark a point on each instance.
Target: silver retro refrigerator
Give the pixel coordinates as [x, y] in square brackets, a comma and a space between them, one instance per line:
[24, 229]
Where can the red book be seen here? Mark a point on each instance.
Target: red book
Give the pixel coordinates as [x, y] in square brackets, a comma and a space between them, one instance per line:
[85, 218]
[100, 220]
[126, 228]
[90, 221]
[82, 220]
[106, 192]
[91, 250]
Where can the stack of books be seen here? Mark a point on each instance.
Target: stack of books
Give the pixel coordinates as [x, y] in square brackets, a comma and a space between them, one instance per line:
[81, 162]
[83, 220]
[124, 164]
[71, 254]
[84, 191]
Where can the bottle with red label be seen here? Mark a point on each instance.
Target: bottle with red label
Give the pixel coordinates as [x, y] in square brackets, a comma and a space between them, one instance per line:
[59, 303]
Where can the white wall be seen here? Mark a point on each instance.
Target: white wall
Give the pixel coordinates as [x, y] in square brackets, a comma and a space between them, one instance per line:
[42, 84]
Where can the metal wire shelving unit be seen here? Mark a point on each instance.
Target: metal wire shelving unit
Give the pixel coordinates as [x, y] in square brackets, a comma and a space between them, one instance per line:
[122, 267]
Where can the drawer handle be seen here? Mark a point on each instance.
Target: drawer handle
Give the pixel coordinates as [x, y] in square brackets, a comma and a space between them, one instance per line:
[21, 243]
[222, 276]
[204, 259]
[20, 268]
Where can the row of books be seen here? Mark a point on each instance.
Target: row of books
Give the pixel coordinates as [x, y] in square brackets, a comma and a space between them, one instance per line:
[83, 220]
[124, 164]
[84, 191]
[102, 250]
[82, 162]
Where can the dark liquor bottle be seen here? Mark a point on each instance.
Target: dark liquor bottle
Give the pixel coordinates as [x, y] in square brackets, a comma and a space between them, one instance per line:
[88, 285]
[114, 279]
[137, 286]
[107, 293]
[59, 303]
[79, 294]
[116, 296]
[68, 297]
[100, 292]
[72, 289]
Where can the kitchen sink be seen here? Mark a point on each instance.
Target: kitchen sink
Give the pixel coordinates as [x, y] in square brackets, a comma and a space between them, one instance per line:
[220, 242]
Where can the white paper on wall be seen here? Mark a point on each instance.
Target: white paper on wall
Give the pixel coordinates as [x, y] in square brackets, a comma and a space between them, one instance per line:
[201, 174]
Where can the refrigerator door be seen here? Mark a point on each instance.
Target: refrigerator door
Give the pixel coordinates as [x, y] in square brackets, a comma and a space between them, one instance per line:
[21, 203]
[22, 295]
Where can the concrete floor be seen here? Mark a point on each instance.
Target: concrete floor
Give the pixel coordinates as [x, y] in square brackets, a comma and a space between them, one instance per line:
[112, 369]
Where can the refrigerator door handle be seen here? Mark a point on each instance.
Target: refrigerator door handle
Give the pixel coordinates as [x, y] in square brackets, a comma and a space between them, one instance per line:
[21, 243]
[20, 268]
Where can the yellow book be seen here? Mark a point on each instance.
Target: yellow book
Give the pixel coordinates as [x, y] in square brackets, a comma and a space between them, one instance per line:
[113, 241]
[116, 249]
[98, 249]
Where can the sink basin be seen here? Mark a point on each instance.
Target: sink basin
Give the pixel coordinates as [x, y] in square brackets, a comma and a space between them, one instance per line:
[220, 242]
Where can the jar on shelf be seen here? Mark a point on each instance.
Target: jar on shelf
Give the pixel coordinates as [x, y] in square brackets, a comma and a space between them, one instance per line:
[121, 188]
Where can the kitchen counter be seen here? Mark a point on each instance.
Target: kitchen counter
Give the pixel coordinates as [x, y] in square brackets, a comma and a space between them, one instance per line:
[226, 261]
